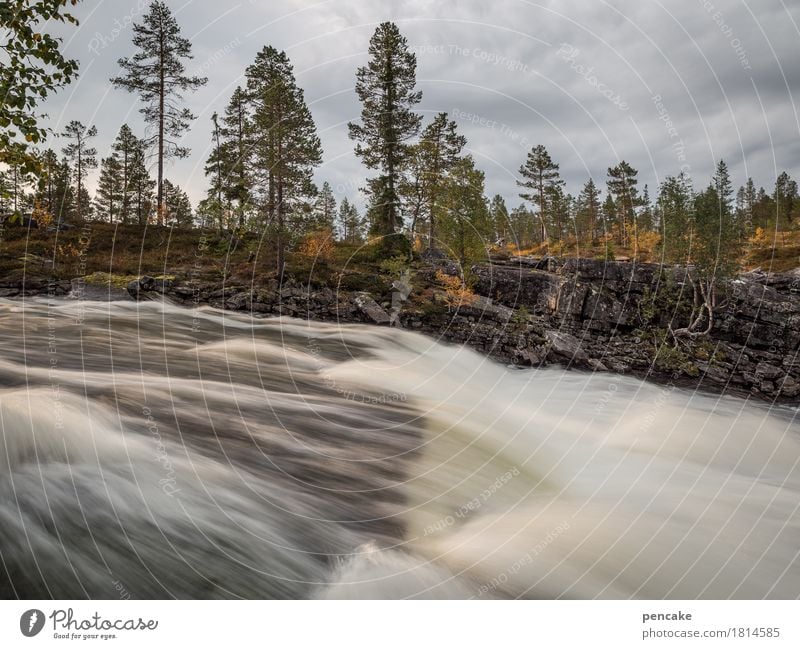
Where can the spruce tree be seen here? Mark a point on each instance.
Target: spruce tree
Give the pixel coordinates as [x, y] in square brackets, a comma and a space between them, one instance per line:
[157, 74]
[675, 205]
[178, 207]
[286, 145]
[589, 211]
[45, 193]
[540, 175]
[235, 131]
[622, 185]
[500, 217]
[439, 150]
[351, 223]
[386, 89]
[126, 150]
[466, 227]
[325, 208]
[63, 195]
[786, 200]
[142, 187]
[82, 157]
[109, 190]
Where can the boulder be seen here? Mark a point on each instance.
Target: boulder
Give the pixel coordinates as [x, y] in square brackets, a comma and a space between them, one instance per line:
[141, 285]
[565, 345]
[370, 308]
[768, 372]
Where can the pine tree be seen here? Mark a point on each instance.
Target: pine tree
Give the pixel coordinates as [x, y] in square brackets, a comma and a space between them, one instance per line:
[109, 190]
[439, 150]
[589, 212]
[287, 147]
[82, 158]
[157, 74]
[540, 175]
[216, 166]
[386, 89]
[622, 185]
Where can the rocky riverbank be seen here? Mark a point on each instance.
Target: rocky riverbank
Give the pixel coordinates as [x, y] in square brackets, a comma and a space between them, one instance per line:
[594, 315]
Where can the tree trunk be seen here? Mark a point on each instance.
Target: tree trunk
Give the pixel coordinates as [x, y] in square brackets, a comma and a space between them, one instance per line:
[160, 199]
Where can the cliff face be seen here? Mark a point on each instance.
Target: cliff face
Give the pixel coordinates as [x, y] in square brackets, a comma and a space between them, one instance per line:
[615, 310]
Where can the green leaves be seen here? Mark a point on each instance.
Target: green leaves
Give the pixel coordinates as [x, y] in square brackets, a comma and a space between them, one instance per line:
[35, 68]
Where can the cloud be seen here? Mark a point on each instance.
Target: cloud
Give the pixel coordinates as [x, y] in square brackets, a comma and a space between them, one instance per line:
[724, 72]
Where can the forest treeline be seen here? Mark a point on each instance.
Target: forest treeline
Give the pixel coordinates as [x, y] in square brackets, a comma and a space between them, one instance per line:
[423, 190]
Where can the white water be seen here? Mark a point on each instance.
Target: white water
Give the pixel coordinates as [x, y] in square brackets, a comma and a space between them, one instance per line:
[156, 451]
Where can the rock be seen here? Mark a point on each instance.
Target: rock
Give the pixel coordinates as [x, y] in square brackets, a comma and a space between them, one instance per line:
[597, 366]
[370, 308]
[619, 367]
[790, 387]
[534, 355]
[768, 372]
[565, 345]
[142, 285]
[767, 387]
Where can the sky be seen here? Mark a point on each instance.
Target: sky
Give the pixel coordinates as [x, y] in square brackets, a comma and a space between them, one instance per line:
[666, 86]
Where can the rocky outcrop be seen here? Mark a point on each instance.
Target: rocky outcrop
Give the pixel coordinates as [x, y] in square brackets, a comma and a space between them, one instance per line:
[580, 313]
[754, 344]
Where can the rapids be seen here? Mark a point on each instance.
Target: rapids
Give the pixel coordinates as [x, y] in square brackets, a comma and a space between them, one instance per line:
[155, 451]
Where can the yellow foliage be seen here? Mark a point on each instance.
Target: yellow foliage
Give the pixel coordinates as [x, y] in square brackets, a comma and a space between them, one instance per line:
[648, 240]
[759, 237]
[43, 217]
[557, 247]
[456, 292]
[317, 245]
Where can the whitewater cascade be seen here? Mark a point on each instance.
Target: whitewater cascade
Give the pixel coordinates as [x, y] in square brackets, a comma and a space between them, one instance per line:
[157, 451]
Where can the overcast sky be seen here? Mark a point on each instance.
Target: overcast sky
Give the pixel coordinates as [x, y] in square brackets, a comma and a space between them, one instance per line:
[595, 82]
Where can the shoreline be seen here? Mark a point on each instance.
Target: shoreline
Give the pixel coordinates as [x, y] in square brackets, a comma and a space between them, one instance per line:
[527, 318]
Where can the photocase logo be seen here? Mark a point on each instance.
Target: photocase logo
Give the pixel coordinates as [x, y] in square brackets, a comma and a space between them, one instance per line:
[31, 622]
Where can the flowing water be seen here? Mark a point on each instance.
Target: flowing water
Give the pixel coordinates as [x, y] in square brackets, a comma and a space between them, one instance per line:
[156, 451]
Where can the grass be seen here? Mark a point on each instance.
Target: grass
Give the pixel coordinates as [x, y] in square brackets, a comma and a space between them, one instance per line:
[116, 254]
[776, 252]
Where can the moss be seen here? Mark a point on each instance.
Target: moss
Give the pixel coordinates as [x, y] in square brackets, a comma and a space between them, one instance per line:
[109, 279]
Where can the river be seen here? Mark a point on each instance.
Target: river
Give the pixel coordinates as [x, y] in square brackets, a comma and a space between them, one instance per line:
[155, 451]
